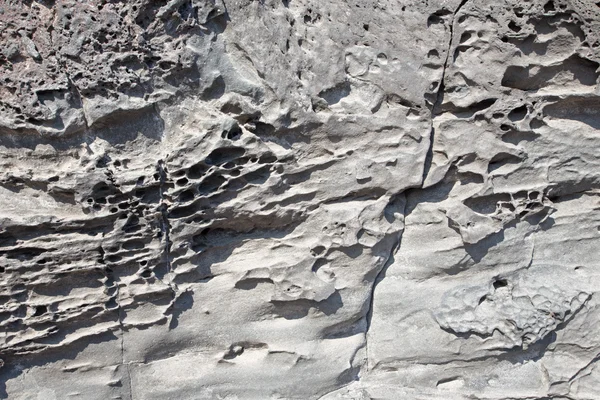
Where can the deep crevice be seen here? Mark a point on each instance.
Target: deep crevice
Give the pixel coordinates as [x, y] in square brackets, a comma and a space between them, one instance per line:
[439, 96]
[164, 213]
[396, 246]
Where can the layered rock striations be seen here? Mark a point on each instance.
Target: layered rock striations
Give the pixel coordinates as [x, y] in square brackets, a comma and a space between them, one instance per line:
[295, 199]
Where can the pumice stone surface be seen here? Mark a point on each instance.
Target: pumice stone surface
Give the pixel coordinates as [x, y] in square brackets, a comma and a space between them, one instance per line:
[300, 199]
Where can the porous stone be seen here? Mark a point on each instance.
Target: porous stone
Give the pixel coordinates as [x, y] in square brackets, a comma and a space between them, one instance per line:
[299, 199]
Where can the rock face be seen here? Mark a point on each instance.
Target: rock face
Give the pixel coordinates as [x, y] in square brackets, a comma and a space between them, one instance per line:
[300, 199]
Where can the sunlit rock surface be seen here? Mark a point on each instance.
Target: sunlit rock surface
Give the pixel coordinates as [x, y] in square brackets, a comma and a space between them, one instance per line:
[299, 199]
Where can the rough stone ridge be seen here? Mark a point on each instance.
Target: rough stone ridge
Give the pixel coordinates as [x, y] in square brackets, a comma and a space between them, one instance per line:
[299, 199]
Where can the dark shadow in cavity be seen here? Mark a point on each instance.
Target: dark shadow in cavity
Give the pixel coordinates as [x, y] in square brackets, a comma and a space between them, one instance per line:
[479, 250]
[184, 302]
[582, 109]
[336, 93]
[516, 137]
[296, 309]
[535, 77]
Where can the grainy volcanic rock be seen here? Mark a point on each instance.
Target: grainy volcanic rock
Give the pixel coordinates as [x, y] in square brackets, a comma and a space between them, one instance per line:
[300, 199]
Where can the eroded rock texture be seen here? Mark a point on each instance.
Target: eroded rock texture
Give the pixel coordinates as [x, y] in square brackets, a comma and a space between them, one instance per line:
[299, 199]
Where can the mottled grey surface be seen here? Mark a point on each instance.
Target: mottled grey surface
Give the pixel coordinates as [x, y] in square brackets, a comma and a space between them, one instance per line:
[300, 199]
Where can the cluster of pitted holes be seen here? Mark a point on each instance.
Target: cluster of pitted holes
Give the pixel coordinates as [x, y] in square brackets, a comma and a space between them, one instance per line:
[497, 284]
[17, 110]
[335, 229]
[318, 252]
[116, 253]
[116, 203]
[110, 289]
[502, 203]
[107, 196]
[128, 251]
[13, 320]
[310, 18]
[532, 200]
[438, 17]
[551, 7]
[465, 37]
[102, 32]
[517, 115]
[107, 35]
[222, 168]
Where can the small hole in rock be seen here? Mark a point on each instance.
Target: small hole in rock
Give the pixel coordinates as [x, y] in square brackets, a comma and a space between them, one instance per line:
[146, 274]
[536, 123]
[518, 114]
[267, 159]
[196, 171]
[186, 196]
[465, 36]
[514, 27]
[40, 310]
[182, 182]
[113, 258]
[111, 304]
[318, 250]
[500, 283]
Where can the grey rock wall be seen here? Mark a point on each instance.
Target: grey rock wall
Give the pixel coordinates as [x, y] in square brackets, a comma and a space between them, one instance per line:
[299, 199]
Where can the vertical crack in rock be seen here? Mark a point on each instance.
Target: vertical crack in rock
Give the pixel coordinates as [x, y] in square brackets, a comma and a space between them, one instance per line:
[585, 368]
[380, 276]
[163, 208]
[124, 364]
[439, 96]
[427, 165]
[109, 282]
[440, 91]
